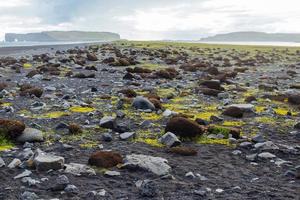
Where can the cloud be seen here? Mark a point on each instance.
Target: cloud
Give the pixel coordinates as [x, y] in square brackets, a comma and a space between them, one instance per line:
[217, 16]
[156, 19]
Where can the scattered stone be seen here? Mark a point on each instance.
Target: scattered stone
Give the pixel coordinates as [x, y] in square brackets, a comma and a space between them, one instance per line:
[147, 188]
[156, 165]
[200, 192]
[2, 163]
[236, 152]
[190, 175]
[107, 122]
[268, 145]
[266, 155]
[14, 163]
[30, 181]
[246, 145]
[127, 135]
[251, 157]
[112, 173]
[107, 137]
[169, 139]
[61, 183]
[71, 189]
[29, 196]
[258, 139]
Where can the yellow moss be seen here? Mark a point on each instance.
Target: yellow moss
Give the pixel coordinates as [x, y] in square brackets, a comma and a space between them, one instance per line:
[260, 109]
[165, 92]
[89, 145]
[283, 111]
[151, 116]
[52, 115]
[265, 120]
[27, 65]
[5, 147]
[250, 92]
[5, 104]
[233, 123]
[81, 109]
[205, 115]
[150, 141]
[205, 140]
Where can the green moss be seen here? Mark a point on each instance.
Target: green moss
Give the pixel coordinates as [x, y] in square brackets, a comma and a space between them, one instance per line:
[206, 140]
[5, 144]
[219, 130]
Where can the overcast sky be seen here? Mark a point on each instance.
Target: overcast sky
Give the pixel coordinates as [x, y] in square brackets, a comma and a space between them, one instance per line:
[150, 19]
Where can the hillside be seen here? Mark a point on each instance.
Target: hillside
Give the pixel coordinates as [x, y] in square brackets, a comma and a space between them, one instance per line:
[56, 36]
[254, 37]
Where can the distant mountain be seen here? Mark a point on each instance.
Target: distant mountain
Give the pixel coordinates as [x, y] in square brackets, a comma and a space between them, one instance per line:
[62, 36]
[254, 37]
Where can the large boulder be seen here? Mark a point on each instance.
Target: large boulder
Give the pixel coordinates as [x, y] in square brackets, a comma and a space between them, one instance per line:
[212, 84]
[45, 161]
[31, 135]
[156, 165]
[184, 127]
[105, 159]
[238, 110]
[11, 128]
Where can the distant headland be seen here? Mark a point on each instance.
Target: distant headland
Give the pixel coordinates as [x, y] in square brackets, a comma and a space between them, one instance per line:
[61, 36]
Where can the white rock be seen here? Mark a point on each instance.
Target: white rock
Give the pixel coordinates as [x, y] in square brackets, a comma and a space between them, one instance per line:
[112, 173]
[156, 165]
[15, 163]
[24, 174]
[266, 155]
[79, 169]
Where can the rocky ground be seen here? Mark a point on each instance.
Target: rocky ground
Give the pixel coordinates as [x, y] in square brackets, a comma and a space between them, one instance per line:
[142, 120]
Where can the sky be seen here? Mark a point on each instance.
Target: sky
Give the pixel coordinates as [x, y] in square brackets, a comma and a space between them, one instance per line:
[151, 19]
